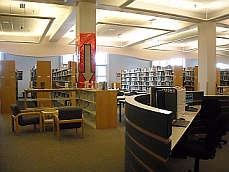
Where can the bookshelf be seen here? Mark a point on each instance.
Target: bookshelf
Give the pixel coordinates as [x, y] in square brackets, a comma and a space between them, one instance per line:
[140, 79]
[224, 77]
[99, 106]
[64, 77]
[8, 84]
[40, 78]
[189, 78]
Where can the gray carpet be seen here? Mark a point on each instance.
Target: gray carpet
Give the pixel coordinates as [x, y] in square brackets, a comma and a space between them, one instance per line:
[31, 151]
[100, 151]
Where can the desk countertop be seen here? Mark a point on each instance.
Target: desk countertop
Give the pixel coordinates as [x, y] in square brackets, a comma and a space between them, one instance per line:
[177, 132]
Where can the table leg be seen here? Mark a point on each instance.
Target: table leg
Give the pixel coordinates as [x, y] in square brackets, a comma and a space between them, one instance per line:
[120, 111]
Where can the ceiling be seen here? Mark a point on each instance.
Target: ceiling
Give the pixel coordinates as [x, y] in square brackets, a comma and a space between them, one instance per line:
[165, 25]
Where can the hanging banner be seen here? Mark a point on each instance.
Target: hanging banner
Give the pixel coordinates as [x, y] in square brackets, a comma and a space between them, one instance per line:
[86, 59]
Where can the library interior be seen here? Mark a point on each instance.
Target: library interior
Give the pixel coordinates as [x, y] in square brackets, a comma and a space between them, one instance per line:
[145, 80]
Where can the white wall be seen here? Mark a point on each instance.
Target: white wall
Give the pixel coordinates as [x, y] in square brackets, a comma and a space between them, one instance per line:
[24, 64]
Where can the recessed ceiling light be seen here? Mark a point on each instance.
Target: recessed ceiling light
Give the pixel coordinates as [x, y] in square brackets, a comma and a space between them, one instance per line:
[22, 5]
[5, 22]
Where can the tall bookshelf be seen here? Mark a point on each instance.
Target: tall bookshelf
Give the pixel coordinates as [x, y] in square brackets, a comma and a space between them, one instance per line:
[7, 85]
[188, 80]
[64, 77]
[40, 75]
[224, 77]
[140, 79]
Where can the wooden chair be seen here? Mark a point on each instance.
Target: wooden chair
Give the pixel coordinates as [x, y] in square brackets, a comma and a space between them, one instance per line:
[48, 114]
[24, 117]
[68, 117]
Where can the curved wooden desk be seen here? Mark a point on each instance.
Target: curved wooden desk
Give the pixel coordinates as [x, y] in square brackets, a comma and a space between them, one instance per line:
[149, 136]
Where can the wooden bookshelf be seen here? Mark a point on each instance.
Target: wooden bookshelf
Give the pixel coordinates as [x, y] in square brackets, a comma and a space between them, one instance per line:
[41, 79]
[64, 77]
[8, 85]
[99, 106]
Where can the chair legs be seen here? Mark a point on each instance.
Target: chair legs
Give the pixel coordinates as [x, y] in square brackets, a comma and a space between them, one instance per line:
[40, 123]
[56, 128]
[196, 166]
[12, 124]
[15, 123]
[17, 127]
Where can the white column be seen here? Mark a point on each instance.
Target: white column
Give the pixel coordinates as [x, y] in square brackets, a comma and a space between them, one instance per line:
[207, 57]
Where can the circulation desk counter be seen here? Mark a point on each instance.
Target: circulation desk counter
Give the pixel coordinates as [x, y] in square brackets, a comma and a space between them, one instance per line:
[149, 136]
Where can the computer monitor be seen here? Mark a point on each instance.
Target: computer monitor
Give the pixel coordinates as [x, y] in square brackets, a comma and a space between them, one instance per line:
[189, 98]
[194, 97]
[164, 98]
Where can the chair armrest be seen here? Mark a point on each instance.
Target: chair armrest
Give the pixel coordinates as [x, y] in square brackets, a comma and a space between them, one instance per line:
[29, 113]
[70, 121]
[25, 111]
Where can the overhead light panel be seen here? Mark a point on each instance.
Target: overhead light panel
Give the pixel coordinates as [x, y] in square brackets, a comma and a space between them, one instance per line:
[5, 22]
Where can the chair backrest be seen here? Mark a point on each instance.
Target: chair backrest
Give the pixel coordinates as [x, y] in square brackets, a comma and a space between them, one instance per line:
[68, 113]
[48, 112]
[16, 110]
[210, 108]
[216, 130]
[48, 109]
[120, 93]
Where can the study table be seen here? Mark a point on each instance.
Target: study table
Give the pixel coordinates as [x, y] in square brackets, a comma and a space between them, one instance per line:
[150, 136]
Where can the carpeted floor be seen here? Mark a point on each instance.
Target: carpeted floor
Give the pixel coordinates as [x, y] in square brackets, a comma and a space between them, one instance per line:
[31, 151]
[100, 151]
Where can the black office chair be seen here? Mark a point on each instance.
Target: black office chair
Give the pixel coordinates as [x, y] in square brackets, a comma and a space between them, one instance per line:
[206, 149]
[210, 110]
[120, 102]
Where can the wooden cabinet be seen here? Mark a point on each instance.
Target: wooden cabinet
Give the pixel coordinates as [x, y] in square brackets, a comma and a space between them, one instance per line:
[7, 85]
[99, 108]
